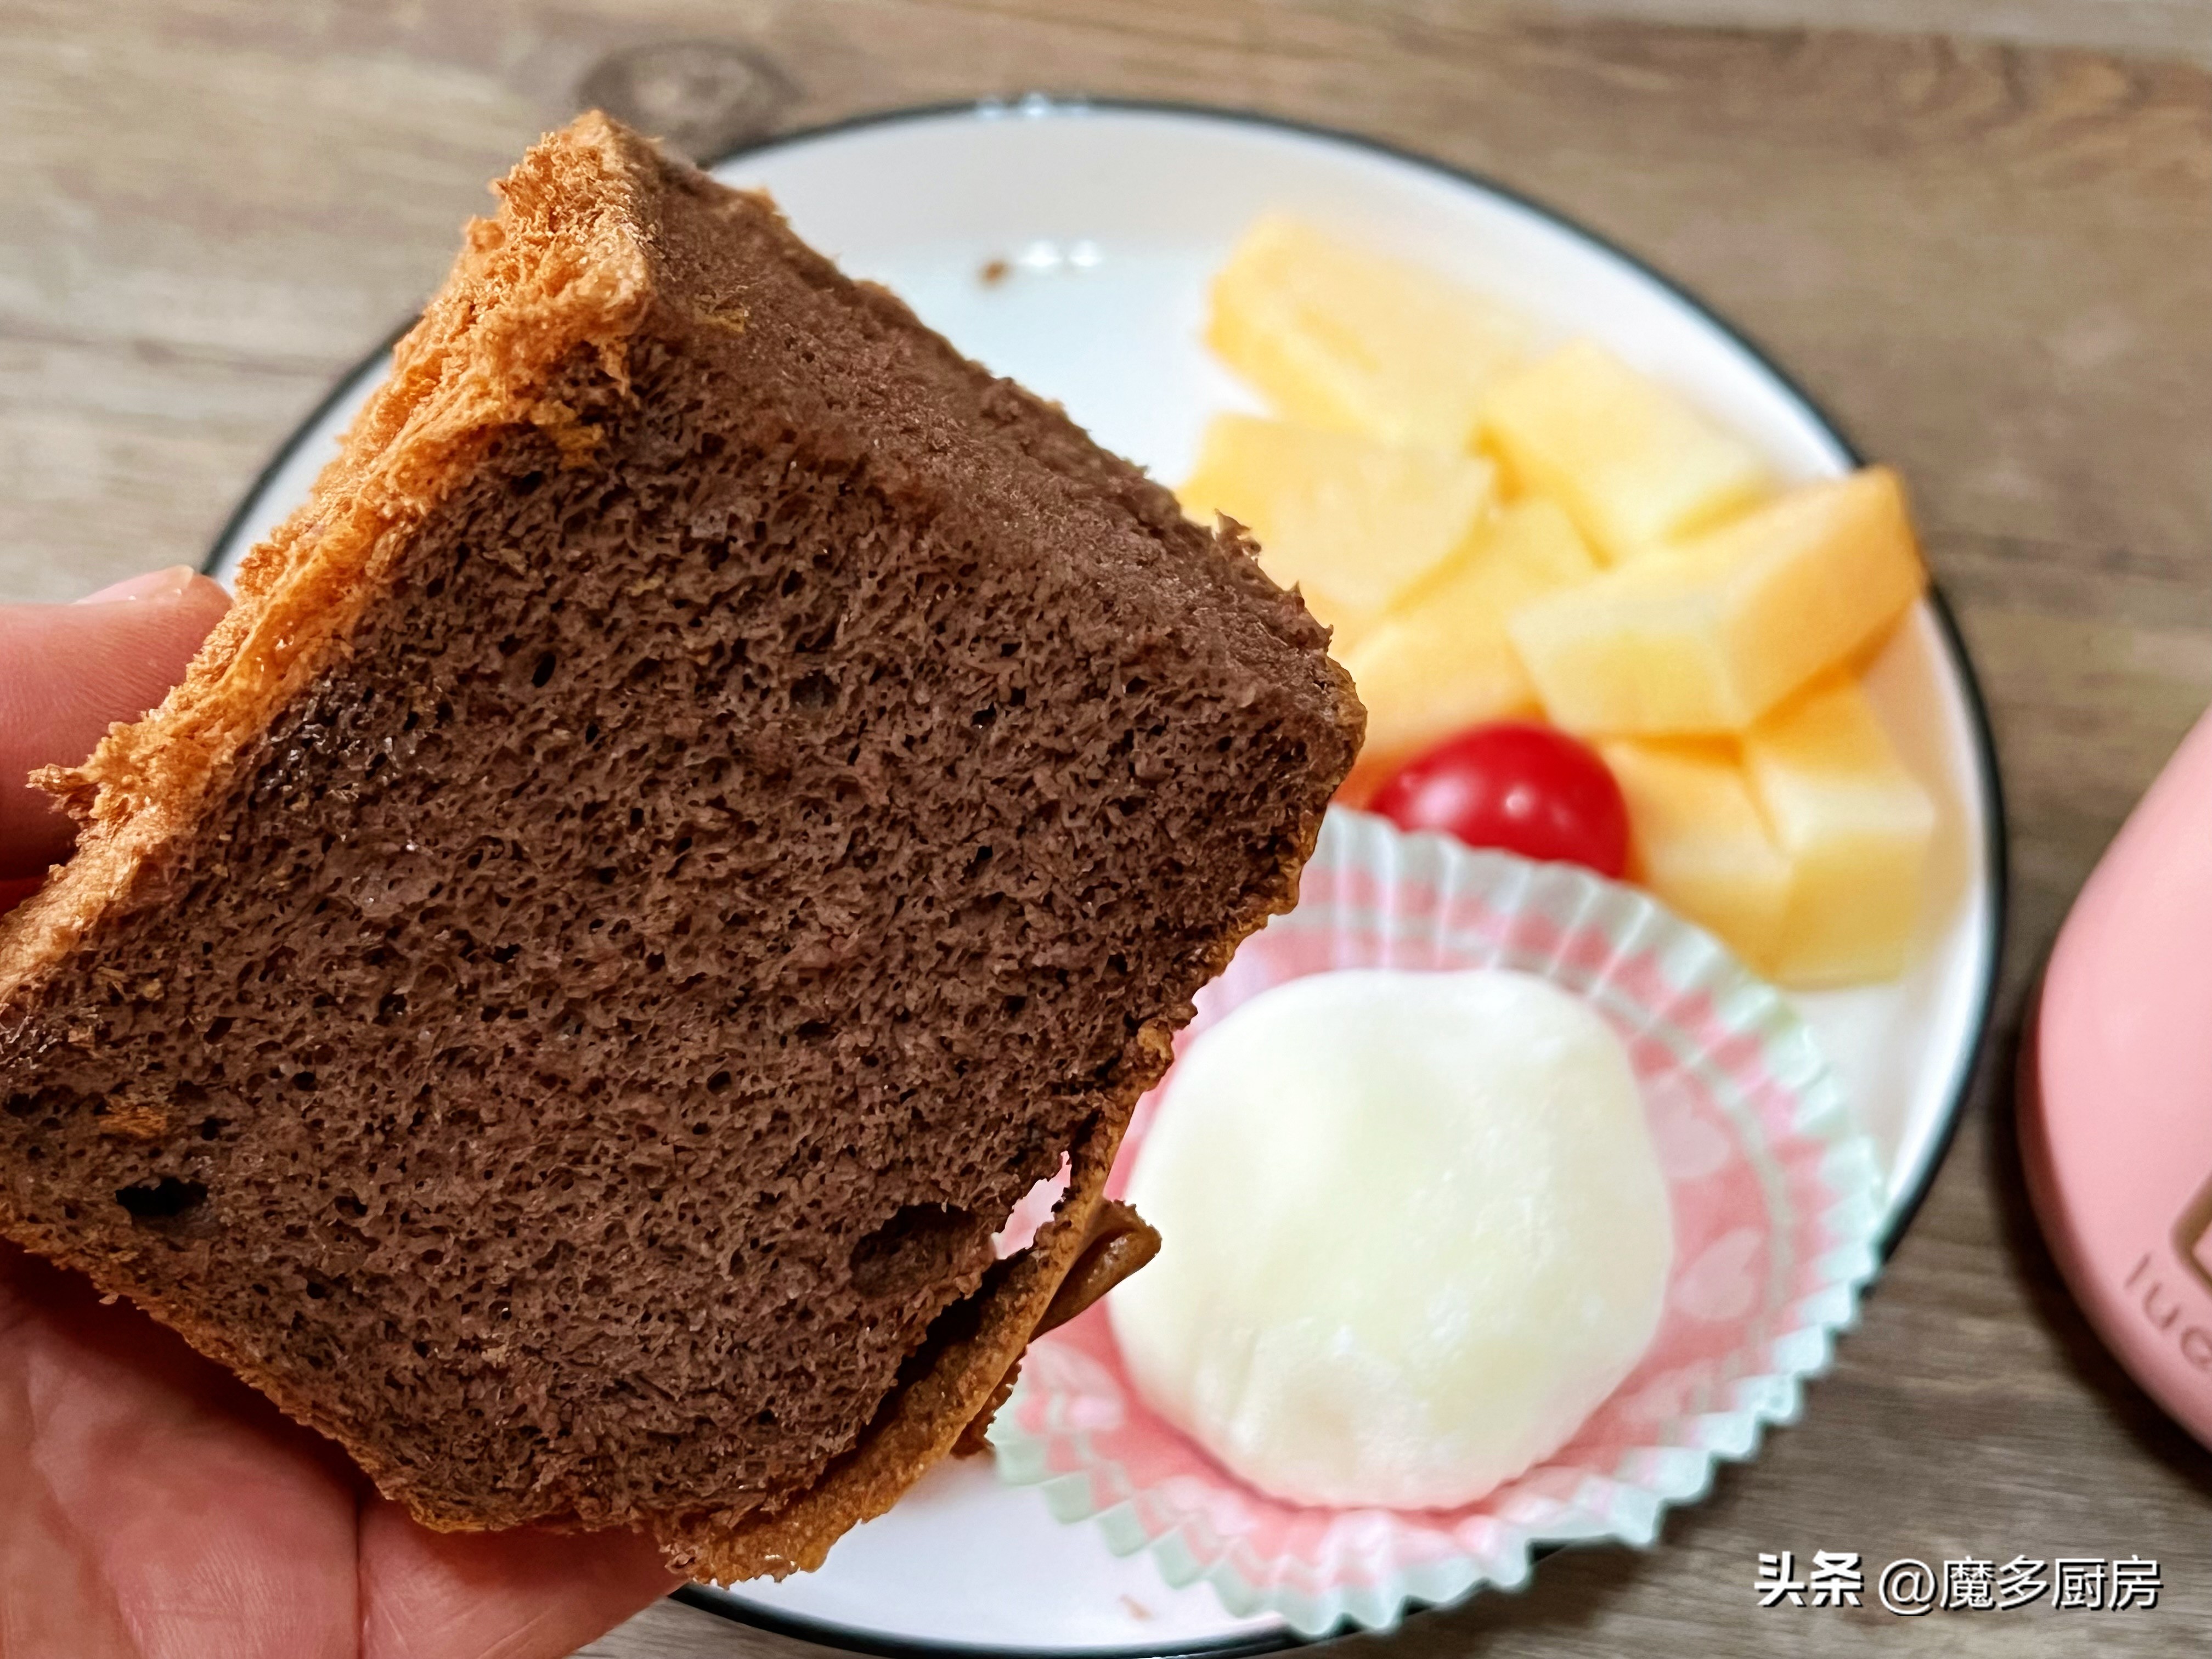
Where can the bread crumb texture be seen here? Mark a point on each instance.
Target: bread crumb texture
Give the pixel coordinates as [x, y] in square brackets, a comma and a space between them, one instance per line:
[712, 800]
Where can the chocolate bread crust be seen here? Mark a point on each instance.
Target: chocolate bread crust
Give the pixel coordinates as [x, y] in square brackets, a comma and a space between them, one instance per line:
[711, 801]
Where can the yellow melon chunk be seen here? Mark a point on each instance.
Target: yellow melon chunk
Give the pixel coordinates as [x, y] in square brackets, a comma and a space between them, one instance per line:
[1337, 336]
[1709, 637]
[1440, 660]
[1353, 523]
[1697, 840]
[1856, 827]
[1633, 463]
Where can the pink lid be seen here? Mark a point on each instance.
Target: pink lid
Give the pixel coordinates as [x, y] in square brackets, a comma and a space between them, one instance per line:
[2116, 1098]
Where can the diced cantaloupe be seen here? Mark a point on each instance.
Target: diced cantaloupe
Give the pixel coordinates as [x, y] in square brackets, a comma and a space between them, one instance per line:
[1697, 840]
[1337, 336]
[1802, 846]
[1353, 523]
[1856, 827]
[1440, 662]
[1634, 464]
[1709, 637]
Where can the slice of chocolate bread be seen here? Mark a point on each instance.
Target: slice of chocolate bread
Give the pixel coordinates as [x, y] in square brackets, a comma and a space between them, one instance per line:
[711, 801]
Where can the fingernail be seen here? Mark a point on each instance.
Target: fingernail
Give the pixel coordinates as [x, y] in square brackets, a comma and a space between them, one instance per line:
[154, 585]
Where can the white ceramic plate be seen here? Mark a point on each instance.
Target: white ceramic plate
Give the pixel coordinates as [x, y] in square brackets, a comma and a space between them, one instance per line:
[1102, 224]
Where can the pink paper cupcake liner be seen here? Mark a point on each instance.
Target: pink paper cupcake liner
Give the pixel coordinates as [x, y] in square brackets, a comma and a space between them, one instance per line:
[1777, 1204]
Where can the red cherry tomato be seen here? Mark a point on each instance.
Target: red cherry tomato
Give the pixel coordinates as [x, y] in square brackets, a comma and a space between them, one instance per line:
[1525, 787]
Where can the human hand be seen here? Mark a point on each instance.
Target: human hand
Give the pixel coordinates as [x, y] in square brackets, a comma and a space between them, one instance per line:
[151, 1505]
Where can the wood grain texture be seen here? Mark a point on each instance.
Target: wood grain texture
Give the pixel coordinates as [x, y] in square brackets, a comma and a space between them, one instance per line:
[2146, 28]
[1990, 262]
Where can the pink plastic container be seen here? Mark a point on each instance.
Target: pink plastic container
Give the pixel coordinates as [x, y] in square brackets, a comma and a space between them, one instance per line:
[2116, 1091]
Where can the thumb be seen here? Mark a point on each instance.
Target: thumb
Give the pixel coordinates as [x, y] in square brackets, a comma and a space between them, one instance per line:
[67, 672]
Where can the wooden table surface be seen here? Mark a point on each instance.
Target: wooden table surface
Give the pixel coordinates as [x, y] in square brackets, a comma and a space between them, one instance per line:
[1994, 264]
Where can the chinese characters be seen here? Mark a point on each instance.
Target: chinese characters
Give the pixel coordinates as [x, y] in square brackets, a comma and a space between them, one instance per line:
[1910, 1587]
